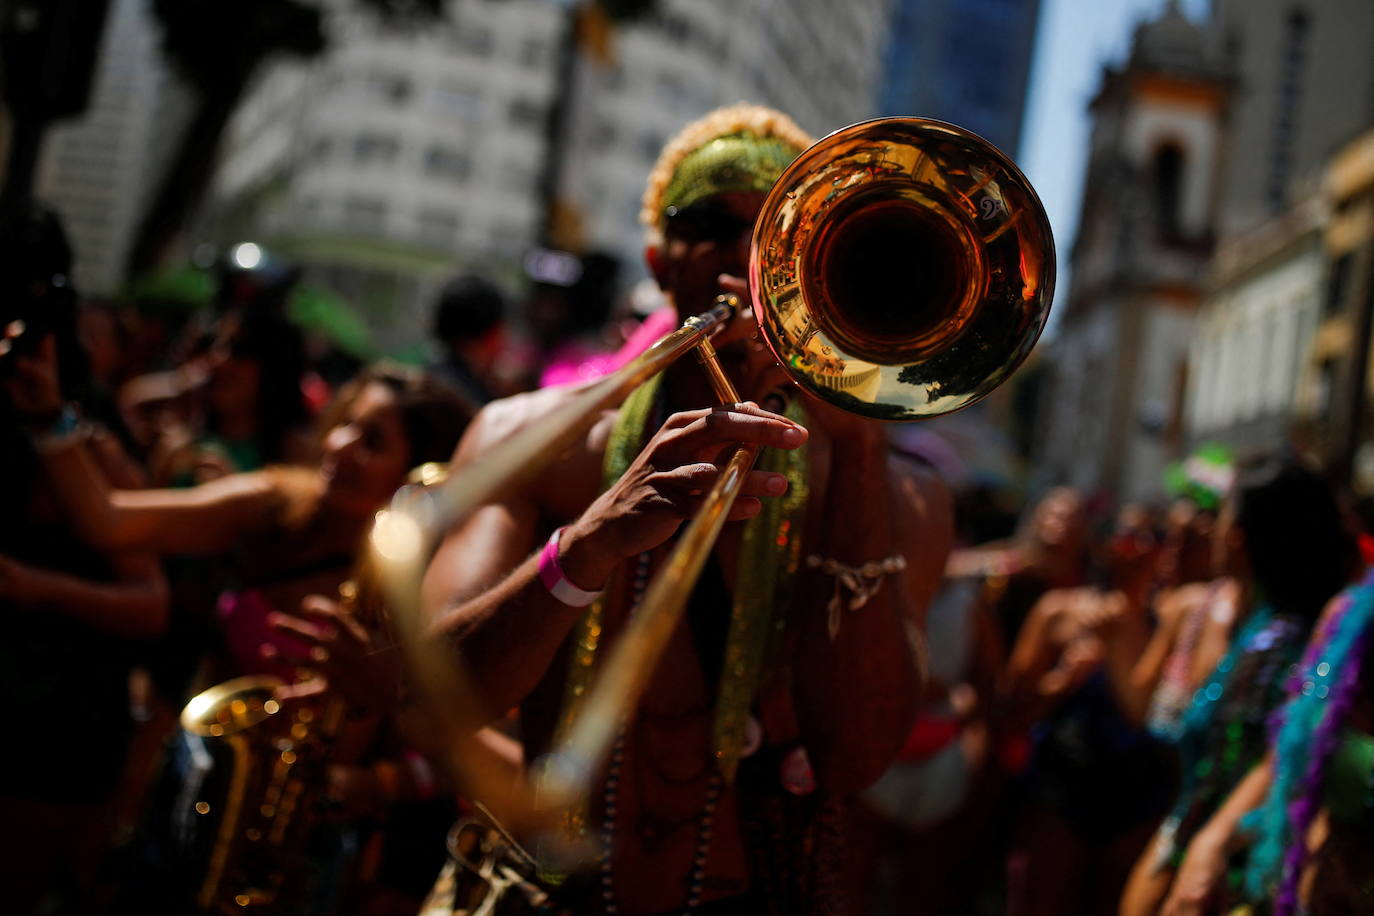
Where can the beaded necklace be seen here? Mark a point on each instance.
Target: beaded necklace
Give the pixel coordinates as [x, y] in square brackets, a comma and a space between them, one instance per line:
[1223, 731]
[1174, 695]
[1306, 735]
[610, 795]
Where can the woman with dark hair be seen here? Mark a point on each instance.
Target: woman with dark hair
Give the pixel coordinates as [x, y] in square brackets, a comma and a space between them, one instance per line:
[292, 531]
[291, 535]
[1281, 534]
[246, 388]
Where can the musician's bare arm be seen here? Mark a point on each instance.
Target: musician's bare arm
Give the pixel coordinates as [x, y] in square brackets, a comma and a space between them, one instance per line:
[857, 695]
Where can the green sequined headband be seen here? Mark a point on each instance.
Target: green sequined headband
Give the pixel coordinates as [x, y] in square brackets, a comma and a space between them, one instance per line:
[735, 162]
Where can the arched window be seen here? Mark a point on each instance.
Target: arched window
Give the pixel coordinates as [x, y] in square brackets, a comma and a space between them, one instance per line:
[1168, 188]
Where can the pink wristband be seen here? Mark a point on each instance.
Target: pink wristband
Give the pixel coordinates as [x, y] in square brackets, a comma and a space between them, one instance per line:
[551, 574]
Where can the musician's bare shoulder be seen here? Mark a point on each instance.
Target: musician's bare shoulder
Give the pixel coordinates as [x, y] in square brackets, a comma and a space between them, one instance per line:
[498, 421]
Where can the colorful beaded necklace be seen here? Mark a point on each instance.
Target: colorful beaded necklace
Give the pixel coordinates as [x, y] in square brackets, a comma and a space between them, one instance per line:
[1307, 734]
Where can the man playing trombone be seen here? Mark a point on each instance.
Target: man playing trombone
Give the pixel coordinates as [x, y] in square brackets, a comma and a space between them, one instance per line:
[793, 677]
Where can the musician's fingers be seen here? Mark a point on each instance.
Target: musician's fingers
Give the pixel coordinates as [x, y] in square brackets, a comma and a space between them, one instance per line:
[729, 283]
[745, 507]
[696, 479]
[746, 424]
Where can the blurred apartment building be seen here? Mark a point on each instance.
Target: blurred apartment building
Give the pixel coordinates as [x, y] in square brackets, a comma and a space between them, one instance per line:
[1272, 357]
[962, 61]
[1201, 261]
[400, 156]
[99, 170]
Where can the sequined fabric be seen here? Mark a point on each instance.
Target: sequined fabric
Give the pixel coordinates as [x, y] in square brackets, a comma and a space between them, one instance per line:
[1225, 729]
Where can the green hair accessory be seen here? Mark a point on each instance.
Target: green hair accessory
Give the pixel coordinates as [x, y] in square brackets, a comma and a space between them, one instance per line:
[735, 162]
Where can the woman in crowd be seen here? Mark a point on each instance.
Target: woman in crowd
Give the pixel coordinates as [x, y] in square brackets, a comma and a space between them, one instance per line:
[1299, 822]
[240, 403]
[73, 615]
[290, 533]
[1075, 834]
[1282, 536]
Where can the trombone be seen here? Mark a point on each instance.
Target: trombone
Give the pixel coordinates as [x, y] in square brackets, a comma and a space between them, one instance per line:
[900, 268]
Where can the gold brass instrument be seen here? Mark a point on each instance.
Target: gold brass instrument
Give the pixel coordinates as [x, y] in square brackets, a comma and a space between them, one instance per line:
[269, 775]
[275, 770]
[900, 268]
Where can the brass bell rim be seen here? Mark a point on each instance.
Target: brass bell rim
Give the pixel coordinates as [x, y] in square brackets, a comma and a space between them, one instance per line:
[1007, 261]
[212, 712]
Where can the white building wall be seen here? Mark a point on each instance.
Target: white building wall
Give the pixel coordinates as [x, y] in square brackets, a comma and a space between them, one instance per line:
[1085, 359]
[1165, 337]
[442, 173]
[1251, 342]
[98, 171]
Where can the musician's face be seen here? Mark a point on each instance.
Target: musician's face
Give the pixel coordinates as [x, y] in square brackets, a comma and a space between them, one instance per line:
[367, 455]
[703, 241]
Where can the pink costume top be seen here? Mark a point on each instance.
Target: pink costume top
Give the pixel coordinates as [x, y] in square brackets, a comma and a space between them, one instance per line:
[577, 367]
[244, 620]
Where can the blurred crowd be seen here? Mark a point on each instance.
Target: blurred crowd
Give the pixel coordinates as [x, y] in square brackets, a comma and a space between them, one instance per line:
[1108, 699]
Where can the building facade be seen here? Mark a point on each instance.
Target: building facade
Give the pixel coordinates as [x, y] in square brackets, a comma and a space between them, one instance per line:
[1251, 343]
[99, 171]
[1271, 356]
[1118, 367]
[400, 157]
[963, 61]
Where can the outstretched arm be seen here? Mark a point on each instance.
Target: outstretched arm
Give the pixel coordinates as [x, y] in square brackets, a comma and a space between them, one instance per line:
[201, 520]
[857, 694]
[135, 605]
[1203, 870]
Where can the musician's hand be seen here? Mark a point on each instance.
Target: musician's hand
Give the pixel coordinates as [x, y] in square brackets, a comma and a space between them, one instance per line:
[665, 484]
[341, 649]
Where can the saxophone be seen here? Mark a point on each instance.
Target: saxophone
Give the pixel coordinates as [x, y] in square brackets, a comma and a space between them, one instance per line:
[263, 789]
[249, 803]
[249, 806]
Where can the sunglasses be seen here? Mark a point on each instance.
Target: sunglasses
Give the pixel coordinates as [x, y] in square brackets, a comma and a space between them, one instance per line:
[706, 221]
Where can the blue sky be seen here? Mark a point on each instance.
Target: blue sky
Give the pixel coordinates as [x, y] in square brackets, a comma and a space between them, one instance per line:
[1075, 38]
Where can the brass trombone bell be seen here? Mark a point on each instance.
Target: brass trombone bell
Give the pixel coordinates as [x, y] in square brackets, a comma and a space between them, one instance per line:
[901, 268]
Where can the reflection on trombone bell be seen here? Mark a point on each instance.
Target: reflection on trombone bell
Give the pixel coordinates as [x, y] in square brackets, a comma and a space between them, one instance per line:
[898, 269]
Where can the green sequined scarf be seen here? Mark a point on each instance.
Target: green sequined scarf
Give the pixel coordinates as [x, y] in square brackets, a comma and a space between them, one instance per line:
[770, 552]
